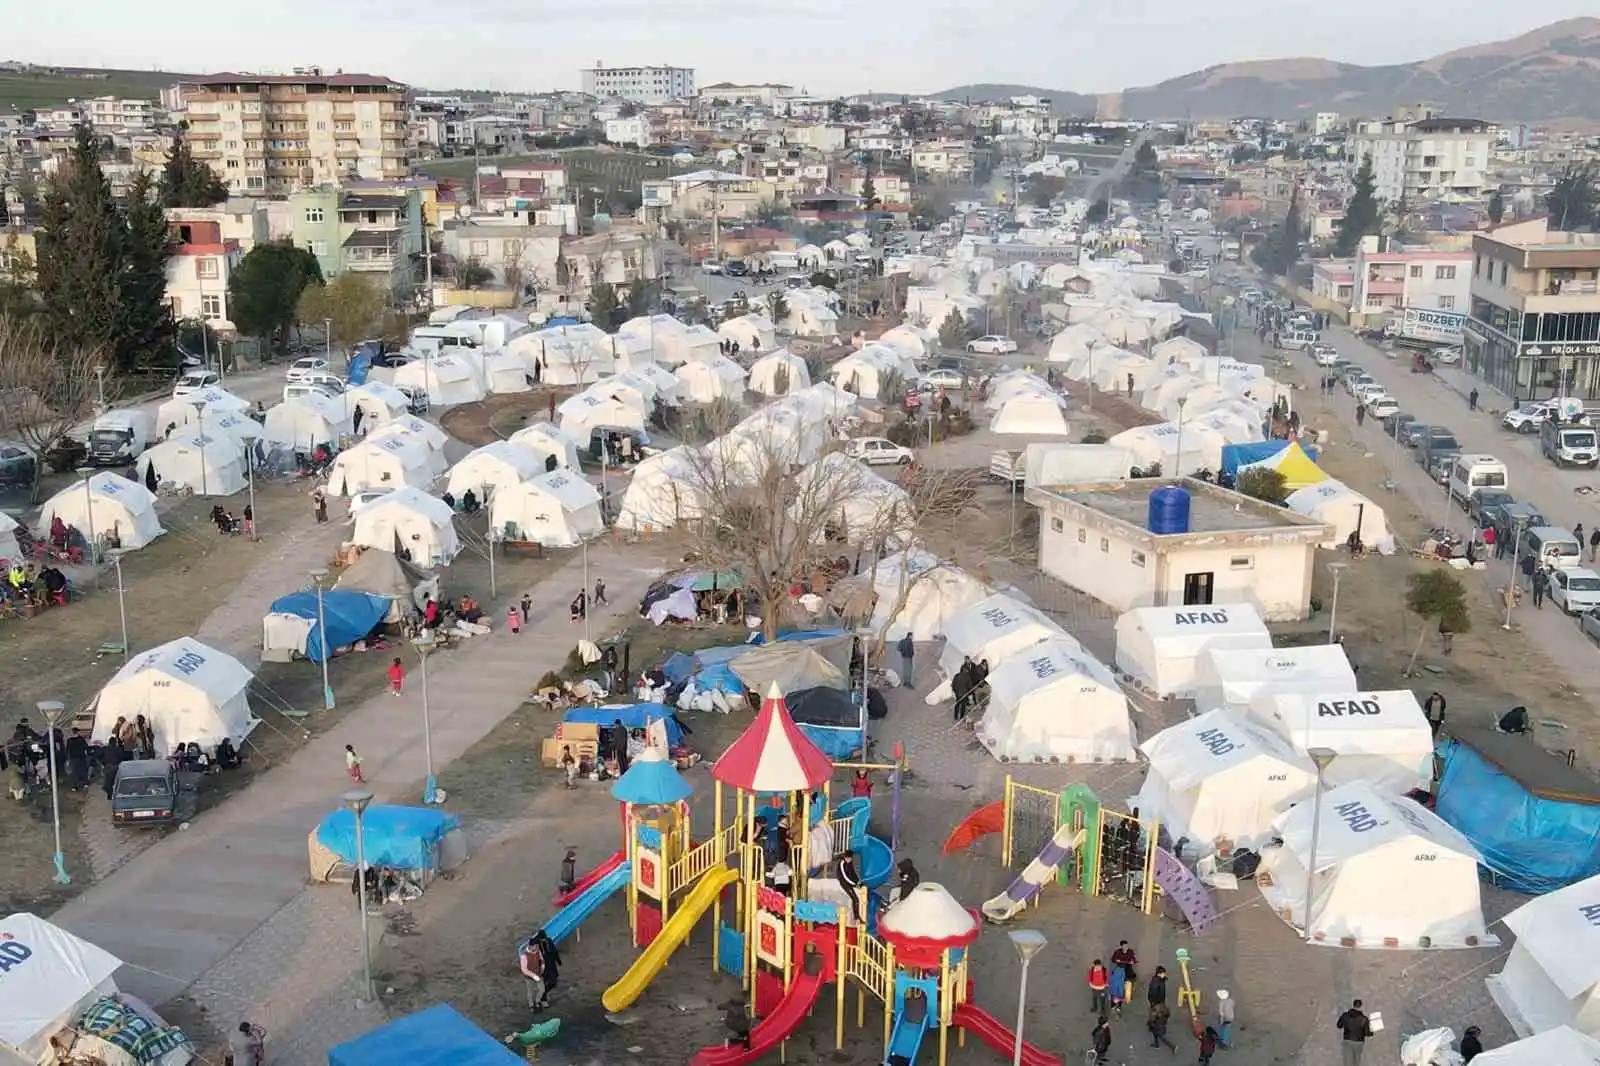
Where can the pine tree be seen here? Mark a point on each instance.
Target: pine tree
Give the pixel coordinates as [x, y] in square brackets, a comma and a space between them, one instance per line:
[187, 181]
[1497, 208]
[869, 192]
[1362, 216]
[82, 243]
[1571, 203]
[147, 330]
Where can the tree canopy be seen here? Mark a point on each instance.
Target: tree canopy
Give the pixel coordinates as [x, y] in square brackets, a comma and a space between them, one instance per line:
[1362, 215]
[1572, 202]
[147, 326]
[82, 243]
[265, 289]
[352, 308]
[187, 181]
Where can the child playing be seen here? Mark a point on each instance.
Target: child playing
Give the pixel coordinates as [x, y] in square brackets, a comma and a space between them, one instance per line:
[352, 765]
[861, 784]
[569, 871]
[569, 766]
[514, 619]
[397, 677]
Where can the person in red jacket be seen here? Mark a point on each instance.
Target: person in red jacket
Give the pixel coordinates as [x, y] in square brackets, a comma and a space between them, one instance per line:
[1099, 979]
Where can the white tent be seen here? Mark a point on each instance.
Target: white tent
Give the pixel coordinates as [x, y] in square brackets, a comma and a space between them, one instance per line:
[1221, 778]
[48, 978]
[409, 425]
[995, 628]
[10, 550]
[754, 332]
[711, 378]
[767, 372]
[1179, 350]
[1382, 738]
[1388, 873]
[409, 522]
[1343, 508]
[506, 371]
[447, 379]
[665, 488]
[493, 467]
[1008, 386]
[185, 690]
[637, 392]
[1160, 647]
[1035, 414]
[1053, 463]
[1159, 443]
[1232, 678]
[669, 390]
[915, 593]
[230, 425]
[863, 373]
[377, 402]
[382, 461]
[302, 423]
[180, 411]
[1053, 702]
[1561, 1046]
[204, 466]
[582, 414]
[550, 443]
[909, 340]
[1113, 367]
[1552, 976]
[111, 504]
[558, 509]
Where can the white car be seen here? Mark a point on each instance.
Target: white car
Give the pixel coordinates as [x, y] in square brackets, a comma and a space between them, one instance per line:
[301, 369]
[1367, 391]
[1382, 406]
[1356, 382]
[193, 381]
[1324, 354]
[1448, 356]
[879, 451]
[711, 266]
[1575, 591]
[366, 497]
[992, 345]
[1528, 418]
[943, 378]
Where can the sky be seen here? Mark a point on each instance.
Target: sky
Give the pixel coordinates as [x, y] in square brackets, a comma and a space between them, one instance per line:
[824, 46]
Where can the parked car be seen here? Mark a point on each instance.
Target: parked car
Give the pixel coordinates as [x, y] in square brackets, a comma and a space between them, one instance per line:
[192, 381]
[992, 345]
[711, 266]
[1354, 382]
[736, 268]
[1352, 370]
[943, 378]
[150, 792]
[1589, 623]
[16, 464]
[1527, 418]
[1514, 517]
[303, 368]
[879, 451]
[1412, 433]
[1382, 405]
[1449, 356]
[1324, 354]
[1487, 506]
[1575, 591]
[1393, 423]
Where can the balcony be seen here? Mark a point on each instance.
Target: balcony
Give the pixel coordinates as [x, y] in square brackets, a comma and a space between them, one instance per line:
[1386, 286]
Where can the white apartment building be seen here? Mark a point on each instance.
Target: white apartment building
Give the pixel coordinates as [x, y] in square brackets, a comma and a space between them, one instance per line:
[1426, 160]
[950, 158]
[118, 113]
[641, 85]
[733, 95]
[820, 136]
[1324, 123]
[1418, 279]
[634, 130]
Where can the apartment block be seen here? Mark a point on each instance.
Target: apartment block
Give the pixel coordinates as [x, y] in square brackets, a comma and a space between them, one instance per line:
[278, 133]
[107, 113]
[202, 263]
[374, 232]
[1424, 160]
[1411, 278]
[641, 85]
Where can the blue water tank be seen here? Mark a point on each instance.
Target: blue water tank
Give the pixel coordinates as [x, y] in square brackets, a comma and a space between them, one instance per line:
[1169, 510]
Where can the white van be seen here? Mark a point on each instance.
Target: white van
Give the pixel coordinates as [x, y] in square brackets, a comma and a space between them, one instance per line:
[310, 388]
[437, 339]
[1552, 546]
[1471, 474]
[1298, 338]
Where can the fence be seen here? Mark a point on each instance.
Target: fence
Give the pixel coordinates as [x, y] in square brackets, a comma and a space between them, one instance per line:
[1127, 859]
[695, 864]
[1032, 818]
[872, 965]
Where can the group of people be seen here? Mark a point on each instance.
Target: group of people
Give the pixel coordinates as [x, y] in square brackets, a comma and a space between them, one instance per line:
[970, 685]
[36, 586]
[26, 756]
[229, 525]
[1111, 987]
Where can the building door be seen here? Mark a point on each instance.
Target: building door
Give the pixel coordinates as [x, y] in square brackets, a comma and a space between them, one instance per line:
[1197, 589]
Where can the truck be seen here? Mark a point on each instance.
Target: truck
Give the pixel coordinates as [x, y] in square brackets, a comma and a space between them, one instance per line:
[1568, 442]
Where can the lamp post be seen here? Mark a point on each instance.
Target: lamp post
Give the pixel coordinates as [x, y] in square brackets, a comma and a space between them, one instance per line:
[1511, 581]
[327, 342]
[357, 801]
[584, 592]
[250, 476]
[122, 606]
[317, 577]
[1322, 757]
[200, 435]
[1336, 569]
[425, 644]
[55, 716]
[1028, 942]
[1183, 401]
[87, 473]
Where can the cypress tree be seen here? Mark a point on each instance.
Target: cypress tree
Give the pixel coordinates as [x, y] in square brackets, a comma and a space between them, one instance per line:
[187, 181]
[148, 330]
[1361, 215]
[82, 244]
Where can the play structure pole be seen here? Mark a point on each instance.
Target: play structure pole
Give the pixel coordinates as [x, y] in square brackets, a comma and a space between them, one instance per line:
[801, 875]
[944, 1006]
[840, 974]
[631, 844]
[1148, 900]
[716, 905]
[894, 800]
[1005, 828]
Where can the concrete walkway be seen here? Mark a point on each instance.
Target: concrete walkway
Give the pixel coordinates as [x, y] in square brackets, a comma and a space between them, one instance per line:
[201, 898]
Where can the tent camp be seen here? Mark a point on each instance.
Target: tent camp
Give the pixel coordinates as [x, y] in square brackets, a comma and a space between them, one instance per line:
[1160, 647]
[779, 373]
[1552, 976]
[1232, 678]
[588, 411]
[1054, 702]
[493, 467]
[293, 624]
[505, 371]
[795, 664]
[304, 422]
[185, 690]
[109, 504]
[201, 466]
[437, 1036]
[383, 573]
[1159, 443]
[1299, 470]
[410, 523]
[559, 509]
[1561, 1046]
[1343, 508]
[995, 629]
[445, 379]
[664, 490]
[753, 332]
[909, 591]
[182, 411]
[1221, 779]
[1389, 873]
[555, 447]
[712, 378]
[1382, 738]
[1036, 414]
[382, 461]
[49, 978]
[409, 425]
[377, 403]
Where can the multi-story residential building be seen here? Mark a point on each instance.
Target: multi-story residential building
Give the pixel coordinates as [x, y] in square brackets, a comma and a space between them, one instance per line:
[1423, 160]
[536, 181]
[278, 133]
[634, 130]
[705, 193]
[821, 136]
[240, 222]
[511, 246]
[65, 116]
[198, 273]
[1418, 279]
[886, 188]
[952, 159]
[1534, 327]
[374, 232]
[119, 113]
[1324, 123]
[726, 93]
[620, 255]
[641, 85]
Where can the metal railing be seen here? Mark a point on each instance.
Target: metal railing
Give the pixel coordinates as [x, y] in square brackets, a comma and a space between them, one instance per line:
[694, 865]
[872, 963]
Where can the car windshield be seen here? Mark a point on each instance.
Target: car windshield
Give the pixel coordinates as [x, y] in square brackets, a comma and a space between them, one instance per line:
[1441, 442]
[1579, 439]
[143, 788]
[1584, 584]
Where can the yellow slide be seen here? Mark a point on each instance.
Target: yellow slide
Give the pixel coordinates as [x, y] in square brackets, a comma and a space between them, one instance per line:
[621, 995]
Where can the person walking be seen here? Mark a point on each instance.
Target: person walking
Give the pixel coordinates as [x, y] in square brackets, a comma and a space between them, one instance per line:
[1472, 400]
[397, 677]
[600, 592]
[1102, 1040]
[531, 963]
[1433, 710]
[527, 609]
[1099, 984]
[1208, 1045]
[1541, 585]
[514, 619]
[907, 649]
[1224, 1016]
[1156, 991]
[1354, 1028]
[352, 765]
[1577, 535]
[1594, 543]
[1160, 1015]
[1361, 413]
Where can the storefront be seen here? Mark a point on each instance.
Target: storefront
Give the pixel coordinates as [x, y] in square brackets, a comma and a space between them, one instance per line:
[1534, 357]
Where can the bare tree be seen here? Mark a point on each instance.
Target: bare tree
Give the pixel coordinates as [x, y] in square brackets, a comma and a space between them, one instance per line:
[46, 390]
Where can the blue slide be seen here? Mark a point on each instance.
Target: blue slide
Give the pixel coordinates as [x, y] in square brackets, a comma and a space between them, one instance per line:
[568, 918]
[905, 1040]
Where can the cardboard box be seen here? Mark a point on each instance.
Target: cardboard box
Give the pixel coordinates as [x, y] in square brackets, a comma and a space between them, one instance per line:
[582, 750]
[578, 732]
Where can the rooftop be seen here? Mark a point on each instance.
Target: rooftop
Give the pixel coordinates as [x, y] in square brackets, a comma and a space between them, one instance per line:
[1211, 509]
[337, 79]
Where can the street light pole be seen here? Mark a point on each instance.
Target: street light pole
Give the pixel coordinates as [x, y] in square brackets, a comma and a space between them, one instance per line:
[250, 475]
[1322, 757]
[55, 716]
[122, 607]
[584, 592]
[200, 435]
[1028, 942]
[425, 643]
[317, 577]
[357, 801]
[1337, 569]
[1183, 401]
[1512, 584]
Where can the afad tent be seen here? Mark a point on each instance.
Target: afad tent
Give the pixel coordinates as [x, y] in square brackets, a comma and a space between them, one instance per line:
[182, 411]
[1053, 702]
[665, 489]
[417, 432]
[383, 573]
[779, 373]
[582, 414]
[505, 371]
[1298, 469]
[1158, 444]
[47, 977]
[1561, 1046]
[1221, 779]
[1382, 738]
[494, 467]
[445, 379]
[185, 690]
[1033, 413]
[293, 624]
[1389, 873]
[381, 462]
[377, 403]
[911, 592]
[1233, 678]
[713, 378]
[555, 447]
[1552, 976]
[411, 524]
[1160, 647]
[304, 422]
[1346, 510]
[559, 509]
[995, 628]
[106, 503]
[203, 466]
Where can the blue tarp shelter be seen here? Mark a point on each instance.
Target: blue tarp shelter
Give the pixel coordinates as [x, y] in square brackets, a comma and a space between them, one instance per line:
[1236, 455]
[708, 667]
[1535, 820]
[438, 1036]
[350, 616]
[633, 716]
[405, 838]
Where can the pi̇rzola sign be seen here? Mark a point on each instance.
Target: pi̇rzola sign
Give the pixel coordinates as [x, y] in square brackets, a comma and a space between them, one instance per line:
[1348, 708]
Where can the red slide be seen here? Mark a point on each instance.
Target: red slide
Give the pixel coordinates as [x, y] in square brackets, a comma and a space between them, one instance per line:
[775, 1028]
[981, 822]
[562, 899]
[986, 1027]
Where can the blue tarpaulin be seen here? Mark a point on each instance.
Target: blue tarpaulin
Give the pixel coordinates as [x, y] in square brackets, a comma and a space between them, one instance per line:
[1236, 455]
[1529, 843]
[633, 716]
[404, 838]
[438, 1036]
[350, 616]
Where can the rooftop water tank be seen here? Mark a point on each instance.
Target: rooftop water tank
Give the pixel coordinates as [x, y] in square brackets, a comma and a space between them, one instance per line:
[1169, 510]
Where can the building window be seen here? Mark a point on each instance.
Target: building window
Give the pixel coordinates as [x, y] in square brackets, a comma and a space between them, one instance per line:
[1136, 557]
[1105, 545]
[478, 249]
[322, 125]
[1504, 270]
[1477, 266]
[1447, 303]
[1374, 302]
[206, 268]
[1083, 535]
[314, 214]
[1056, 525]
[211, 308]
[1416, 270]
[1241, 562]
[1444, 273]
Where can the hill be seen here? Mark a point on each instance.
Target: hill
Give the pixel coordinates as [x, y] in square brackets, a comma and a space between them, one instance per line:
[52, 86]
[1552, 72]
